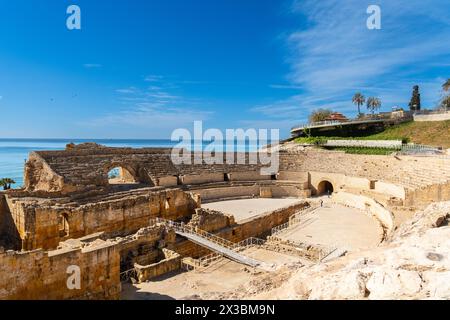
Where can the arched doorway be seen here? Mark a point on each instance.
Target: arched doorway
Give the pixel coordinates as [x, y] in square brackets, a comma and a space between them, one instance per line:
[63, 225]
[120, 175]
[325, 187]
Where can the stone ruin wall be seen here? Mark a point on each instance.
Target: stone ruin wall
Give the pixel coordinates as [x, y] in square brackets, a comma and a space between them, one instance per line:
[38, 224]
[10, 237]
[144, 247]
[41, 275]
[84, 168]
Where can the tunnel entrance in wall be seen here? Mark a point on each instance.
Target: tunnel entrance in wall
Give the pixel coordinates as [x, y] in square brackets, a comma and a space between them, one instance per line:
[120, 175]
[325, 187]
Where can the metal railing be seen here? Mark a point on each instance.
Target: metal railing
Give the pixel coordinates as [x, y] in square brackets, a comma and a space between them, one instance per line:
[183, 228]
[127, 275]
[293, 220]
[319, 123]
[412, 148]
[207, 260]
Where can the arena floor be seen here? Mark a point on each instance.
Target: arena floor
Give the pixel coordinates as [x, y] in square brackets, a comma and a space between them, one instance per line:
[337, 226]
[248, 208]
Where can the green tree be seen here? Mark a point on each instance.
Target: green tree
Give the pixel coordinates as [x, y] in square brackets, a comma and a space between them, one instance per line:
[319, 115]
[359, 100]
[373, 104]
[6, 183]
[414, 104]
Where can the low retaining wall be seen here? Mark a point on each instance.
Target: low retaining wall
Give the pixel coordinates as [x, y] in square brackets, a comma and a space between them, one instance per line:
[265, 189]
[363, 203]
[428, 194]
[390, 189]
[432, 117]
[171, 262]
[388, 144]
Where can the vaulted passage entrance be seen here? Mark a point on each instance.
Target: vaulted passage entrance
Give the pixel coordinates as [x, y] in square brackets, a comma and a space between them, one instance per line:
[325, 187]
[120, 175]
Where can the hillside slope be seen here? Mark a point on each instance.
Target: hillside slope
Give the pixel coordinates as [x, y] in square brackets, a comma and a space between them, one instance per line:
[428, 133]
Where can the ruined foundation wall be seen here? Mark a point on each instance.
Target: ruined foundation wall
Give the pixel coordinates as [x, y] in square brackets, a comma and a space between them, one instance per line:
[144, 247]
[4, 211]
[258, 227]
[171, 262]
[210, 220]
[9, 233]
[41, 275]
[427, 195]
[40, 225]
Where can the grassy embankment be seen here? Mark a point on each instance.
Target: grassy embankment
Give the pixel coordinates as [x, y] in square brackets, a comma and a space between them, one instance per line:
[427, 133]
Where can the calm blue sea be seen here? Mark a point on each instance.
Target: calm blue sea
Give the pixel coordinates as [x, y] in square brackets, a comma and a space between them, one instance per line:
[14, 152]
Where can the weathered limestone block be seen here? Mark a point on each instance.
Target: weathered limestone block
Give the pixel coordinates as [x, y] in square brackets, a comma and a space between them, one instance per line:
[386, 283]
[211, 220]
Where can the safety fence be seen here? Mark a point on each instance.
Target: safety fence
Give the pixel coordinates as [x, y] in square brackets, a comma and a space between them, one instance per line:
[293, 220]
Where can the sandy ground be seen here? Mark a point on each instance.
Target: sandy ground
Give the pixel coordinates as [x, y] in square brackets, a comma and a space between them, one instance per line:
[336, 225]
[222, 276]
[248, 208]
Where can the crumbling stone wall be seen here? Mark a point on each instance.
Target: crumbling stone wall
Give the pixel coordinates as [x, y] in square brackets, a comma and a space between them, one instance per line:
[9, 236]
[210, 220]
[171, 262]
[144, 247]
[39, 221]
[41, 275]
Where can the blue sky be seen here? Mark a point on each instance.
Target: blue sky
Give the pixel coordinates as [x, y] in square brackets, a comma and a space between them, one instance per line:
[140, 69]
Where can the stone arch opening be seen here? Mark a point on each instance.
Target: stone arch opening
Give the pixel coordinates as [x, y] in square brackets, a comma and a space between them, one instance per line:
[63, 225]
[121, 175]
[325, 187]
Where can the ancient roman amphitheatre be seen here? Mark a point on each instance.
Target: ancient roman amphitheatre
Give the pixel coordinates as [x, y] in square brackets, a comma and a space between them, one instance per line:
[327, 225]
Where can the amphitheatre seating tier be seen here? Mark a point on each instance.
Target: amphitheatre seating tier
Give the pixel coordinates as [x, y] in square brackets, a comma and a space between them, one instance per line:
[408, 171]
[79, 169]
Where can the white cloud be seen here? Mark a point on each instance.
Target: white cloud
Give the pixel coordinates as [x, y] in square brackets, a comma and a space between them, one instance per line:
[152, 108]
[153, 78]
[92, 65]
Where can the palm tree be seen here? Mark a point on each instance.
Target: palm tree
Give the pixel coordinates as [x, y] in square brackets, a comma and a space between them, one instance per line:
[446, 85]
[6, 183]
[373, 104]
[359, 100]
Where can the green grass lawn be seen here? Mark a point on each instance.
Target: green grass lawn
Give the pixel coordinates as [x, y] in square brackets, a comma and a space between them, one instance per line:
[361, 150]
[436, 133]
